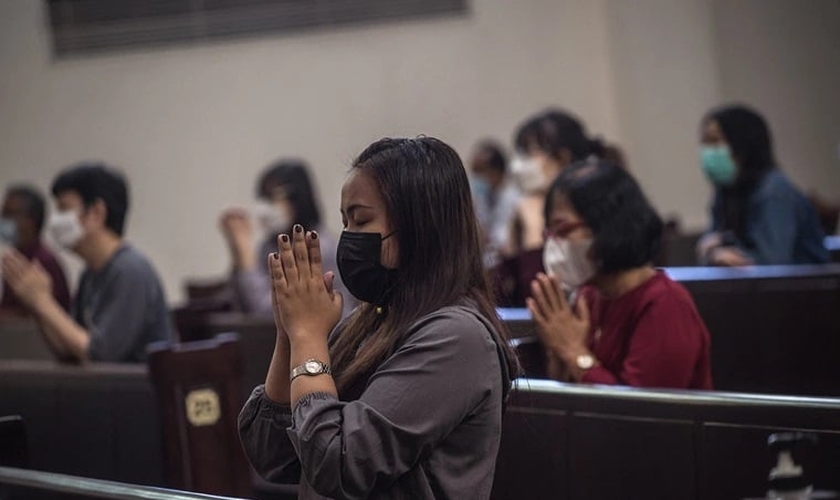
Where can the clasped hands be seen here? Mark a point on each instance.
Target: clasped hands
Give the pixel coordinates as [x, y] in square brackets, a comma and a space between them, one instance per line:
[28, 280]
[306, 307]
[564, 330]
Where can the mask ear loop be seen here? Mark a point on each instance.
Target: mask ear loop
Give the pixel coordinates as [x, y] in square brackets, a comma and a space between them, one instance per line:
[380, 309]
[388, 235]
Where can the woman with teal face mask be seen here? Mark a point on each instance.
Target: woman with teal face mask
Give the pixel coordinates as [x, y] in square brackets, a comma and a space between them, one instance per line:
[758, 215]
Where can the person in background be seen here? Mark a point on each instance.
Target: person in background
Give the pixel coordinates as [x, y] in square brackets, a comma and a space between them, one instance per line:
[758, 215]
[120, 306]
[603, 312]
[495, 194]
[286, 197]
[404, 398]
[21, 223]
[545, 144]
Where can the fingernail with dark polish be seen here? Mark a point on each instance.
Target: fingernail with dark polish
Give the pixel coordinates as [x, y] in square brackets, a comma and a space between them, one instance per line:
[275, 256]
[284, 238]
[314, 235]
[298, 228]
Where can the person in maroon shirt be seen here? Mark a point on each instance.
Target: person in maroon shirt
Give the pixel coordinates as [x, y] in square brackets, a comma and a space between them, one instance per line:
[21, 222]
[603, 312]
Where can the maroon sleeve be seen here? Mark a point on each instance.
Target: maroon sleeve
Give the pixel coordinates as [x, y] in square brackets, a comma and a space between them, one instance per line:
[60, 290]
[665, 349]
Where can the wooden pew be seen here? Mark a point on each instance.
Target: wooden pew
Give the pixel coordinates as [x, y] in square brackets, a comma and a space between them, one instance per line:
[774, 329]
[97, 420]
[581, 442]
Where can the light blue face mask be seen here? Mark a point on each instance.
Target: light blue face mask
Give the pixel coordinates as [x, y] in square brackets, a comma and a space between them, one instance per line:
[8, 231]
[718, 165]
[479, 187]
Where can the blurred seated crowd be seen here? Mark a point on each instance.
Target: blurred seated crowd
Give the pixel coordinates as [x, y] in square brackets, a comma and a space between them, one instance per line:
[567, 233]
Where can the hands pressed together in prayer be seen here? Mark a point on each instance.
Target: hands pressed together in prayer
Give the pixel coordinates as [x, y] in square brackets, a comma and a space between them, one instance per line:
[27, 279]
[563, 329]
[237, 228]
[305, 305]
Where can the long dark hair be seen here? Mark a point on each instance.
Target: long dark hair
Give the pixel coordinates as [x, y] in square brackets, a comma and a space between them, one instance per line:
[552, 131]
[751, 143]
[427, 196]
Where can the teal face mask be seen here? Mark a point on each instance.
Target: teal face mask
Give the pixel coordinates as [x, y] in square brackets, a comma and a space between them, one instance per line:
[718, 165]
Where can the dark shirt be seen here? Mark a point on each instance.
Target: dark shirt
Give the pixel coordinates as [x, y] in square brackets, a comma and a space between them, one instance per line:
[652, 336]
[50, 263]
[427, 425]
[123, 308]
[782, 224]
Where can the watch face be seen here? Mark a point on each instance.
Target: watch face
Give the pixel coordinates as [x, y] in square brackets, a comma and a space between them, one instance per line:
[312, 366]
[585, 361]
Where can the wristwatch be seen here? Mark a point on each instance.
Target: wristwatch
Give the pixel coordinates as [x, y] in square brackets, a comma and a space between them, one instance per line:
[310, 367]
[585, 361]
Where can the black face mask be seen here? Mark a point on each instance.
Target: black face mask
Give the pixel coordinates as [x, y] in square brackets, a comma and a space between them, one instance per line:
[360, 266]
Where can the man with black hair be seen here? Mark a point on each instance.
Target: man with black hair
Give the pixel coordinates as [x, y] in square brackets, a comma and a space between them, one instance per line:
[21, 222]
[120, 306]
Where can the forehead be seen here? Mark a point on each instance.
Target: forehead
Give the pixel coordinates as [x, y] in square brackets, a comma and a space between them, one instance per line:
[561, 209]
[712, 131]
[360, 188]
[68, 199]
[13, 203]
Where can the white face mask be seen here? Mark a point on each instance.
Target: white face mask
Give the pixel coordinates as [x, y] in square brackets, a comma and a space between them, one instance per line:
[272, 218]
[528, 173]
[66, 228]
[568, 261]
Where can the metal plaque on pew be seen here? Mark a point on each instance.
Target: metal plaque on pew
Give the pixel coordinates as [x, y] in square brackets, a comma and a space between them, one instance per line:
[202, 407]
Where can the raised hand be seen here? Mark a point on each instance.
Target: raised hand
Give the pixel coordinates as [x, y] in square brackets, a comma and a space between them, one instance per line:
[235, 224]
[304, 302]
[562, 329]
[28, 280]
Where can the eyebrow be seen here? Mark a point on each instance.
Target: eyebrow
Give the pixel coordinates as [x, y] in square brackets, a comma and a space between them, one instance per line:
[352, 208]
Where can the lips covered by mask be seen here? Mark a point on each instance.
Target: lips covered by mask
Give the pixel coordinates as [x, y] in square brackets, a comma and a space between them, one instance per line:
[66, 228]
[568, 260]
[528, 173]
[360, 266]
[718, 165]
[273, 219]
[8, 231]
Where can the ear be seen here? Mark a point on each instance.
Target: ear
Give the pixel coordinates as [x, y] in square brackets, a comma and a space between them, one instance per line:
[97, 213]
[565, 157]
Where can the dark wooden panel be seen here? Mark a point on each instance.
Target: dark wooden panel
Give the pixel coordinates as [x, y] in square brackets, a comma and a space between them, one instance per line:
[532, 459]
[614, 457]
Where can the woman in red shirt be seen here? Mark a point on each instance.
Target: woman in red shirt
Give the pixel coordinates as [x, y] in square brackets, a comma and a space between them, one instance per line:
[603, 312]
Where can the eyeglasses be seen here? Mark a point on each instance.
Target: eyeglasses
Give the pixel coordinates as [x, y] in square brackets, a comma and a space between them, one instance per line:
[562, 229]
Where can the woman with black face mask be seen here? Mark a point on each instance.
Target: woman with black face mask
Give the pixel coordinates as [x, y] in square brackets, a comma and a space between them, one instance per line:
[404, 398]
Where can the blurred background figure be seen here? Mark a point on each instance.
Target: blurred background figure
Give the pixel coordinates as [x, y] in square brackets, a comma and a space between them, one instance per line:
[496, 196]
[758, 215]
[120, 306]
[285, 197]
[545, 144]
[21, 222]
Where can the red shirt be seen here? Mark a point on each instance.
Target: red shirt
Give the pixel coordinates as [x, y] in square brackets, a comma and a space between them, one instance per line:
[50, 263]
[652, 336]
